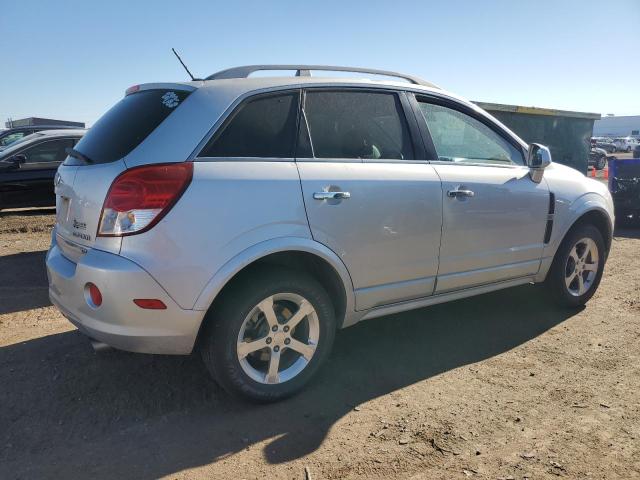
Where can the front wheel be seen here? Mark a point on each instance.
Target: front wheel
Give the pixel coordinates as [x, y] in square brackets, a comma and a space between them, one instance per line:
[601, 162]
[269, 334]
[577, 267]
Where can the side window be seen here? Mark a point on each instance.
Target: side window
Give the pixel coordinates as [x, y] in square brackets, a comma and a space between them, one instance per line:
[264, 128]
[352, 124]
[9, 139]
[51, 151]
[459, 137]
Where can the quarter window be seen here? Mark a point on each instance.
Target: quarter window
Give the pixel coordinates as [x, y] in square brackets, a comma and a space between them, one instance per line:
[350, 124]
[263, 128]
[459, 137]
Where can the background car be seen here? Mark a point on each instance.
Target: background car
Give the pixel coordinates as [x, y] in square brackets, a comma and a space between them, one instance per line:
[597, 158]
[626, 144]
[27, 167]
[604, 143]
[11, 135]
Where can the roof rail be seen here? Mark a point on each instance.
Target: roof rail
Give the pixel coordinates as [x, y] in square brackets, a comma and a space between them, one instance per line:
[305, 71]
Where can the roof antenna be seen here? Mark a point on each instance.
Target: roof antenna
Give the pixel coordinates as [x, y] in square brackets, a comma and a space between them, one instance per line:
[185, 67]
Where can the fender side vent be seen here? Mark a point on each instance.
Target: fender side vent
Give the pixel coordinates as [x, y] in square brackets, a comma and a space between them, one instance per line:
[551, 212]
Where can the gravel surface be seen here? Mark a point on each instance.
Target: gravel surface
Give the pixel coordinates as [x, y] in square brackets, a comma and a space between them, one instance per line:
[498, 386]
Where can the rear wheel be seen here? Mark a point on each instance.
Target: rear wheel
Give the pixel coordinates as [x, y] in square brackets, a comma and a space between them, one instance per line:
[601, 162]
[269, 335]
[577, 267]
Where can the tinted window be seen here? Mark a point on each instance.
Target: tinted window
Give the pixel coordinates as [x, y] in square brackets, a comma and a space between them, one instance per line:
[264, 127]
[12, 137]
[49, 151]
[128, 123]
[460, 137]
[357, 125]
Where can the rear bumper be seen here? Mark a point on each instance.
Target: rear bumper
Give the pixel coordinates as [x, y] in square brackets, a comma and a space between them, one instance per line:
[118, 322]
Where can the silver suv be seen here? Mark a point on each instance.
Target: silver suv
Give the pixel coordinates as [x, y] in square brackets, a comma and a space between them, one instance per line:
[250, 217]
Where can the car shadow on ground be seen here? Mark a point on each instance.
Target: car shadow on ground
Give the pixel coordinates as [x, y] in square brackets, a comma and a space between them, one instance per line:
[67, 411]
[23, 282]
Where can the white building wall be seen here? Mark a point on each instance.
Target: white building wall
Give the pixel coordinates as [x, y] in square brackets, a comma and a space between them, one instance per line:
[617, 126]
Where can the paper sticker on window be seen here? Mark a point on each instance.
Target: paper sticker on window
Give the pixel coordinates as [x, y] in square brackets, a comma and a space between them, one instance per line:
[170, 99]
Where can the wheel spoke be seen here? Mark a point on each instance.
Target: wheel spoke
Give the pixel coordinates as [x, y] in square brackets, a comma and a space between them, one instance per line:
[574, 253]
[266, 307]
[302, 348]
[569, 280]
[581, 288]
[274, 364]
[592, 267]
[245, 348]
[305, 309]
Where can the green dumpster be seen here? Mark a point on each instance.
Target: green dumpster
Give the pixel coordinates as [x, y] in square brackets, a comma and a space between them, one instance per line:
[566, 133]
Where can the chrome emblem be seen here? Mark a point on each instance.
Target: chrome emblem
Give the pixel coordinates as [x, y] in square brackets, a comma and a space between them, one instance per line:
[79, 225]
[57, 180]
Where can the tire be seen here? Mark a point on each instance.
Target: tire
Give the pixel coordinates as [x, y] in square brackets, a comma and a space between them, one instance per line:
[601, 162]
[239, 319]
[564, 267]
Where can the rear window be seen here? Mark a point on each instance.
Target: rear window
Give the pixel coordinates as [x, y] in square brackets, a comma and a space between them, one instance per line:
[128, 123]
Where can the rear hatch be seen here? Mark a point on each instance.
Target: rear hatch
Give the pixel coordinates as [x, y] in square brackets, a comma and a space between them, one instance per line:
[83, 180]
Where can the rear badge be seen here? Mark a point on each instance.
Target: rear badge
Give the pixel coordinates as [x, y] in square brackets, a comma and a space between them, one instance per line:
[170, 99]
[82, 236]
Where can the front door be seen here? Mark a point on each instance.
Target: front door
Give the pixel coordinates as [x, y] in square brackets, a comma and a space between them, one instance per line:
[494, 214]
[366, 196]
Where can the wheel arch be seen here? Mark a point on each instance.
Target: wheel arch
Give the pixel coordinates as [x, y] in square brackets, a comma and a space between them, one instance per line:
[593, 211]
[298, 253]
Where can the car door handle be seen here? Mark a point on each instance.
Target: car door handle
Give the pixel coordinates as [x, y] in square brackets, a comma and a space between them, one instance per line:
[331, 195]
[460, 192]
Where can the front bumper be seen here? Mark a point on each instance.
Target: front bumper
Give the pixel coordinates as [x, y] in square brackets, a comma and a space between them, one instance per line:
[119, 322]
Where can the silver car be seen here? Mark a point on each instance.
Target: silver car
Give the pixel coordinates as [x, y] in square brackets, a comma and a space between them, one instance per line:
[251, 217]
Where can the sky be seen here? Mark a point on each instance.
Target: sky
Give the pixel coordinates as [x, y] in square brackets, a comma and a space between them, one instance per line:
[74, 59]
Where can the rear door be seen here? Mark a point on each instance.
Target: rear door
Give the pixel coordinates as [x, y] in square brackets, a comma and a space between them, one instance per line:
[494, 214]
[369, 195]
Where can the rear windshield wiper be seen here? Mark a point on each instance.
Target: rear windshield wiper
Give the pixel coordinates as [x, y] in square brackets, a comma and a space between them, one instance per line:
[80, 156]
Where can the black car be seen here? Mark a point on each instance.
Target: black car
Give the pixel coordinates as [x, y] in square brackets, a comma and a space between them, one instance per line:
[28, 167]
[7, 137]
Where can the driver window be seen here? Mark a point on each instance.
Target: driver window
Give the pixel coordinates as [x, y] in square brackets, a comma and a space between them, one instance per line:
[51, 151]
[459, 137]
[352, 124]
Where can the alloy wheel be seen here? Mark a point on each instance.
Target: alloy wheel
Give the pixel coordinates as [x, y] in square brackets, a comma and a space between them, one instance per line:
[581, 267]
[278, 338]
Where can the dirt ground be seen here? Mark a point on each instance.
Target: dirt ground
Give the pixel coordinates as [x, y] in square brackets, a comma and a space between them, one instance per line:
[498, 386]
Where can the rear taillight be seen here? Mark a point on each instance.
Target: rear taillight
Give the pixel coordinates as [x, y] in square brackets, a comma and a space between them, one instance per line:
[141, 196]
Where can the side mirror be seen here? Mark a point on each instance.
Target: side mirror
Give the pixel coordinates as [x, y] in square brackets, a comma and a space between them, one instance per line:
[538, 158]
[13, 162]
[19, 159]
